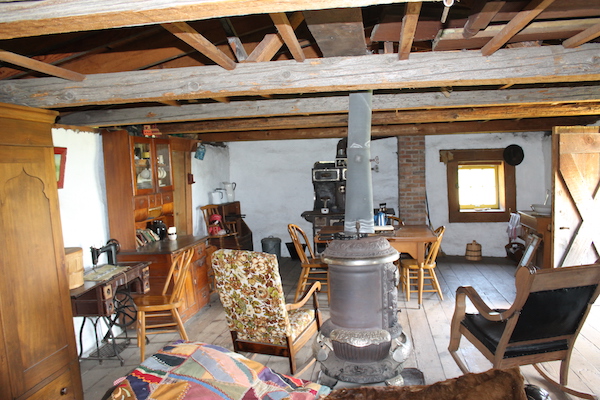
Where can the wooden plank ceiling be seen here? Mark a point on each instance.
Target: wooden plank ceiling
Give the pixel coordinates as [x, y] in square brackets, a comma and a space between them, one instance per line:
[227, 70]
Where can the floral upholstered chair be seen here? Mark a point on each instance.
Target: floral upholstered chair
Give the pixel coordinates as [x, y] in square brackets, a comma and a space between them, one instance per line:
[260, 321]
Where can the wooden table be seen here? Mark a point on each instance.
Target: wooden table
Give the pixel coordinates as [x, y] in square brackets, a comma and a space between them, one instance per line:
[410, 239]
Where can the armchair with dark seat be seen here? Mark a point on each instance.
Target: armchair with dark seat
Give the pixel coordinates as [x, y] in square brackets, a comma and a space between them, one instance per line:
[259, 319]
[542, 324]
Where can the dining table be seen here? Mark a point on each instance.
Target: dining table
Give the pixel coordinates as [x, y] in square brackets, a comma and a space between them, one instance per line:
[408, 239]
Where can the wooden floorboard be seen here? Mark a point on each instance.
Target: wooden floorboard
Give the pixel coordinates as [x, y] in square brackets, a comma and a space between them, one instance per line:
[427, 327]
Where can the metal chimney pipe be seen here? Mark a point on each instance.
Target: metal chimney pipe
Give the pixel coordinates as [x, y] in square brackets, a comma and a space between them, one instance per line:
[359, 186]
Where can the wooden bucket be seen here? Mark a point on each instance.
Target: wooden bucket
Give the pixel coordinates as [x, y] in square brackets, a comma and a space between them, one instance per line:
[74, 264]
[473, 251]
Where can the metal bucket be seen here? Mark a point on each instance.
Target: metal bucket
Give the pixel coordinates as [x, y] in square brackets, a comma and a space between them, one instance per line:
[271, 245]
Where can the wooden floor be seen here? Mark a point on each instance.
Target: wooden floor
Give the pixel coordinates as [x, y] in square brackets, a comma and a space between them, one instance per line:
[428, 327]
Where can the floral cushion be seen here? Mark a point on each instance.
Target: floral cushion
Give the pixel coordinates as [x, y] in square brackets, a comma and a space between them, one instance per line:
[250, 289]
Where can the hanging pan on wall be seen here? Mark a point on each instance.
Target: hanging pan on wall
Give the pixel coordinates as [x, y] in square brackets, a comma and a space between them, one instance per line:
[513, 154]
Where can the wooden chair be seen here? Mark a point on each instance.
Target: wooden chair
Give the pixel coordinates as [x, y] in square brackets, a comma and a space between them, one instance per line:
[394, 221]
[225, 240]
[313, 270]
[259, 320]
[411, 274]
[541, 325]
[164, 306]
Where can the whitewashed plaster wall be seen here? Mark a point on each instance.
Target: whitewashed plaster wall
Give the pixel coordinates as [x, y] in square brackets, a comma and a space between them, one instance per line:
[82, 200]
[532, 175]
[209, 174]
[274, 181]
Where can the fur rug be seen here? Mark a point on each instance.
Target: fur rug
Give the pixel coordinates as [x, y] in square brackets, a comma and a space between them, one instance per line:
[495, 384]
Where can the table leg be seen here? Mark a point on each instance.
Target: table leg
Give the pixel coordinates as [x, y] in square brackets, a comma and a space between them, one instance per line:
[421, 279]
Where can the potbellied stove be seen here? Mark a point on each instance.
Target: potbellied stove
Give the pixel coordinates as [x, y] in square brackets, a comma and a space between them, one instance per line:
[362, 342]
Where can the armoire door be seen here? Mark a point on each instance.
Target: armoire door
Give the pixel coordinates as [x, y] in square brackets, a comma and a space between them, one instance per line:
[576, 198]
[35, 313]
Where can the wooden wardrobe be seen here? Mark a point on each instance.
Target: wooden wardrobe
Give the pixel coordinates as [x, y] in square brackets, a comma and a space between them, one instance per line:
[38, 354]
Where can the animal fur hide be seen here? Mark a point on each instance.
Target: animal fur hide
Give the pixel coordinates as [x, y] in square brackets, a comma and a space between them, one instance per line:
[495, 384]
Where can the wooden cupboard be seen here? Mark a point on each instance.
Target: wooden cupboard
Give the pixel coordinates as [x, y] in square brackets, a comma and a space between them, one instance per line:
[139, 183]
[38, 353]
[138, 193]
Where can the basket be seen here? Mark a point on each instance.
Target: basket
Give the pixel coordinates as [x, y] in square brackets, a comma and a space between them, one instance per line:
[473, 251]
[74, 264]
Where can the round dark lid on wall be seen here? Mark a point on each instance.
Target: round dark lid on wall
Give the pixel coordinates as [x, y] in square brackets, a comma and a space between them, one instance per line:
[513, 154]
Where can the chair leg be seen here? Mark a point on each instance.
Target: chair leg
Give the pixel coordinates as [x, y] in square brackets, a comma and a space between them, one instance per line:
[406, 282]
[141, 334]
[301, 283]
[435, 283]
[179, 323]
[421, 279]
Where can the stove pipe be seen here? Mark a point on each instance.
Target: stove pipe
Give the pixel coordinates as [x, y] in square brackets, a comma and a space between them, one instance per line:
[359, 187]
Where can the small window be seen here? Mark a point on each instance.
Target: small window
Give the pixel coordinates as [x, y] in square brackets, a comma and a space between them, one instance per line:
[481, 186]
[478, 186]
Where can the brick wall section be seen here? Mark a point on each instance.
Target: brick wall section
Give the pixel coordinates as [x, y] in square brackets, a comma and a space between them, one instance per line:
[411, 179]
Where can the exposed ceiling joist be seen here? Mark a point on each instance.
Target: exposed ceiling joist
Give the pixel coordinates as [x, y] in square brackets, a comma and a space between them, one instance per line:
[189, 35]
[409, 27]
[39, 66]
[582, 37]
[524, 125]
[480, 20]
[546, 64]
[519, 22]
[286, 31]
[272, 42]
[329, 105]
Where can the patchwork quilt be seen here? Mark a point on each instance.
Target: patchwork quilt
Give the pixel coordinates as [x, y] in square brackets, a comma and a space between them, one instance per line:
[193, 370]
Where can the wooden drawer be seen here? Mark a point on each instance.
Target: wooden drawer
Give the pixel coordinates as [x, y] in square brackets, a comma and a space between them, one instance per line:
[62, 387]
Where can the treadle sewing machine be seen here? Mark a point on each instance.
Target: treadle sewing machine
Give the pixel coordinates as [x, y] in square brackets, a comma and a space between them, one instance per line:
[105, 296]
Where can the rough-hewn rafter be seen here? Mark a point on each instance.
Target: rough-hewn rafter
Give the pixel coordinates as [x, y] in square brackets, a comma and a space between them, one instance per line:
[327, 105]
[468, 68]
[525, 125]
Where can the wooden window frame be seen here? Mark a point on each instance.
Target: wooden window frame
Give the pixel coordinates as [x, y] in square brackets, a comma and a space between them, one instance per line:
[507, 193]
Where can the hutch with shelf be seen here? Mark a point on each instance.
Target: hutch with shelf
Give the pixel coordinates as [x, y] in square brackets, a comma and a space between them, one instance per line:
[140, 189]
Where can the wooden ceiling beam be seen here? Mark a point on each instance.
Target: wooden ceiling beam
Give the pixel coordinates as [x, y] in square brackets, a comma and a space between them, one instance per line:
[386, 118]
[546, 64]
[499, 126]
[39, 66]
[286, 31]
[519, 22]
[189, 35]
[409, 26]
[22, 19]
[327, 105]
[582, 37]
